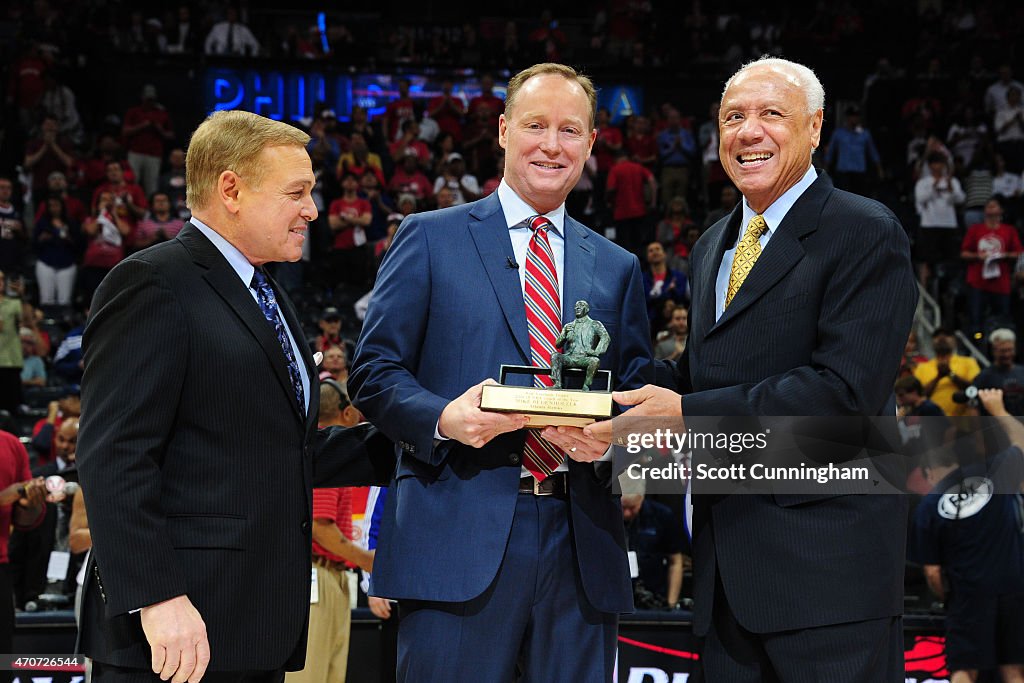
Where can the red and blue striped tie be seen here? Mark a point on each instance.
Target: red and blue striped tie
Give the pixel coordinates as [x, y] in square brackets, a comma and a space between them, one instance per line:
[544, 321]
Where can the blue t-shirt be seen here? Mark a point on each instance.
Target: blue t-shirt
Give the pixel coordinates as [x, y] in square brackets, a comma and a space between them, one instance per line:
[972, 524]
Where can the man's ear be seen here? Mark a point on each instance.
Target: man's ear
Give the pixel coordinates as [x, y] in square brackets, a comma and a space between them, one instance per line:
[229, 190]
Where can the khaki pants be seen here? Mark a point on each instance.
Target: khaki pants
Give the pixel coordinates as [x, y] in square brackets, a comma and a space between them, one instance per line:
[330, 624]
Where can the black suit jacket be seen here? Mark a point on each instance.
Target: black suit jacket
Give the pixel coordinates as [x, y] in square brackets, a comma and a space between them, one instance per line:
[196, 463]
[818, 328]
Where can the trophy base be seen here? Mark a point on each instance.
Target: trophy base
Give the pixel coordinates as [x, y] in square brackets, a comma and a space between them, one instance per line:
[548, 407]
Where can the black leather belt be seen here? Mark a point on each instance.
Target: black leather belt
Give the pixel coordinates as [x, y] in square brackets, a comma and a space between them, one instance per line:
[556, 485]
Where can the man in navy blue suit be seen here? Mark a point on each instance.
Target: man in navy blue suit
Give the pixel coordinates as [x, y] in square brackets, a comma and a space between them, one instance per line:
[802, 300]
[497, 568]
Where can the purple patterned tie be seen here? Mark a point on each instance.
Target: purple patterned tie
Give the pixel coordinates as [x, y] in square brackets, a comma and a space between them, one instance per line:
[271, 311]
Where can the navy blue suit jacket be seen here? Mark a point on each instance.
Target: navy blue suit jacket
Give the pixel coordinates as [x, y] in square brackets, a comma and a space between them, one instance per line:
[818, 328]
[447, 311]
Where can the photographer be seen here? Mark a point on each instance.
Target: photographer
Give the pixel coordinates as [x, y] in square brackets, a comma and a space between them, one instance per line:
[947, 373]
[967, 534]
[1004, 373]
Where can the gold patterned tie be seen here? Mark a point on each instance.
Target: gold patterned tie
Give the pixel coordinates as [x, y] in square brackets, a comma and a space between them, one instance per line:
[747, 252]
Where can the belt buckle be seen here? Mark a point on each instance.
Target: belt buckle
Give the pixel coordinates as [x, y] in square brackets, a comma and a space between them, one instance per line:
[537, 490]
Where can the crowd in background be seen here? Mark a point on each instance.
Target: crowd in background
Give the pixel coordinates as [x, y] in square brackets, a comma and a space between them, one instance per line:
[933, 128]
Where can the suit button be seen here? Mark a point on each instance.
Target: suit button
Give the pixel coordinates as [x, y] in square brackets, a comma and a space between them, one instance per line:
[305, 525]
[514, 458]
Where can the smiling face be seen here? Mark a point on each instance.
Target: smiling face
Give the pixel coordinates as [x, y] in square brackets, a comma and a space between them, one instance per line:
[767, 136]
[271, 219]
[547, 137]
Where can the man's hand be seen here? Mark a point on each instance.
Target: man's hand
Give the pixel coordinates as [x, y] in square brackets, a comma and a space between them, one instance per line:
[992, 399]
[647, 401]
[381, 607]
[463, 420]
[34, 494]
[177, 638]
[575, 443]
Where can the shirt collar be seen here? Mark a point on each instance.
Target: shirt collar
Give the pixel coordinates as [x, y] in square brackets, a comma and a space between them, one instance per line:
[516, 210]
[238, 262]
[775, 213]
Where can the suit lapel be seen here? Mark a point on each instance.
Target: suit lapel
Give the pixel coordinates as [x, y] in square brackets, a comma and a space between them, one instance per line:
[226, 283]
[721, 237]
[490, 235]
[578, 268]
[784, 250]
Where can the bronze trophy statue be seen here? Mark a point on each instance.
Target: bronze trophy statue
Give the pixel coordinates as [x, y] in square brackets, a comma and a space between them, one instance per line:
[581, 343]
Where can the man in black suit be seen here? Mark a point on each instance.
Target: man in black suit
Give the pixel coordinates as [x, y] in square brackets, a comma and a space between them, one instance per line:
[793, 587]
[198, 446]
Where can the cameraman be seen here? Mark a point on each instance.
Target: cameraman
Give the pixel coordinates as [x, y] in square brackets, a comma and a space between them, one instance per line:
[970, 531]
[1004, 373]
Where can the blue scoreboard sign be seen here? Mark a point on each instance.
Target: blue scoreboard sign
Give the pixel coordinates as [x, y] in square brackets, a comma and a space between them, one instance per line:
[292, 95]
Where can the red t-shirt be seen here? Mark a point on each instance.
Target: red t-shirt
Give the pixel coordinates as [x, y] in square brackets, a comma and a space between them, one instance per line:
[334, 505]
[147, 141]
[137, 194]
[399, 110]
[13, 468]
[491, 104]
[422, 151]
[606, 157]
[449, 119]
[627, 178]
[416, 184]
[642, 147]
[345, 238]
[984, 240]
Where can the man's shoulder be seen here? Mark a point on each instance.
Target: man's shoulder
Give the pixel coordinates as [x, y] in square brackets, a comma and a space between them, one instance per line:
[605, 246]
[859, 207]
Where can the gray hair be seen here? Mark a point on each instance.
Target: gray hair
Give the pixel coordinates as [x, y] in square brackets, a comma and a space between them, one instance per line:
[1003, 334]
[801, 76]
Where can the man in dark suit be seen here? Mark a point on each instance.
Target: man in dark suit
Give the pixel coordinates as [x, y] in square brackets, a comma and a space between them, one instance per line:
[793, 587]
[198, 446]
[495, 560]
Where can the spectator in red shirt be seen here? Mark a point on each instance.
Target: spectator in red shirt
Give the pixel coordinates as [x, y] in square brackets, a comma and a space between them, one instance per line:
[147, 127]
[26, 86]
[410, 140]
[57, 186]
[640, 143]
[608, 142]
[448, 111]
[488, 105]
[107, 231]
[48, 153]
[990, 249]
[129, 194]
[21, 503]
[671, 231]
[399, 110]
[408, 178]
[627, 181]
[93, 170]
[334, 553]
[349, 216]
[330, 330]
